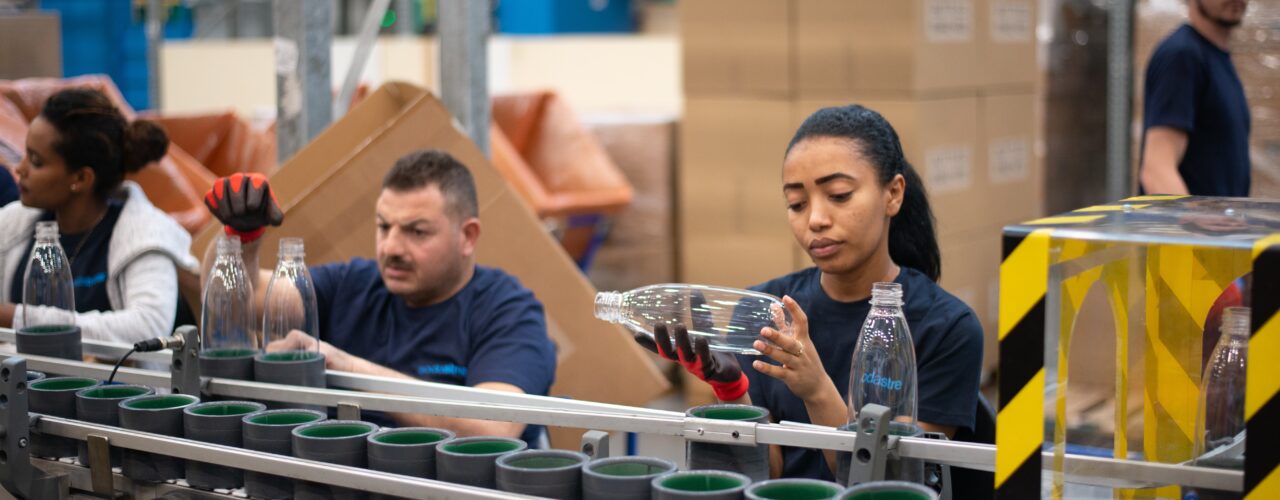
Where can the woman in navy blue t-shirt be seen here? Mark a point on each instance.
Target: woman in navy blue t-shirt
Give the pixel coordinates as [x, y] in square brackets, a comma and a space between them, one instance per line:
[860, 210]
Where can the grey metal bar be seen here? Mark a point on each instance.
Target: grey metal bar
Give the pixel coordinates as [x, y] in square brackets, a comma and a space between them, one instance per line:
[1119, 97]
[364, 45]
[404, 17]
[371, 383]
[155, 38]
[307, 470]
[1079, 469]
[304, 102]
[464, 73]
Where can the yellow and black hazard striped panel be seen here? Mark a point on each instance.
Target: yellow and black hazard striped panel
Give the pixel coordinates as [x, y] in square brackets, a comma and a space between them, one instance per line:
[1024, 276]
[1262, 381]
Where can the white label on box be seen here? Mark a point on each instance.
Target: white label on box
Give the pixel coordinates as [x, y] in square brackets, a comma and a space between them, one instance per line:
[948, 168]
[948, 21]
[1011, 21]
[1009, 160]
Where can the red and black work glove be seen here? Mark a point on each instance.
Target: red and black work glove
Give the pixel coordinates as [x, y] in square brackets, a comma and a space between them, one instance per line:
[720, 370]
[244, 203]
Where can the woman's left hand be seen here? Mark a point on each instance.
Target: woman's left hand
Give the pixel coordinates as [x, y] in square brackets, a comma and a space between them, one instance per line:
[801, 368]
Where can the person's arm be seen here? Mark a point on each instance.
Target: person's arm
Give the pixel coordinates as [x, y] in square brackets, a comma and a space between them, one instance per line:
[801, 369]
[1162, 152]
[339, 360]
[6, 315]
[1172, 89]
[150, 286]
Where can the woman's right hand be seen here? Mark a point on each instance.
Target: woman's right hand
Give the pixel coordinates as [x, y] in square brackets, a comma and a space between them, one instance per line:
[718, 369]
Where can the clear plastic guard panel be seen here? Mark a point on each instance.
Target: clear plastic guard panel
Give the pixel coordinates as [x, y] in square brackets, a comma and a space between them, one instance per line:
[1133, 306]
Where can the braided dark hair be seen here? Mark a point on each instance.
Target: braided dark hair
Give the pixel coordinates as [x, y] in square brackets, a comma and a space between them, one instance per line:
[912, 240]
[94, 133]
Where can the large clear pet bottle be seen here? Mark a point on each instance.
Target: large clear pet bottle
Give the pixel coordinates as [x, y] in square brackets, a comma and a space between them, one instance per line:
[883, 370]
[48, 319]
[228, 325]
[1220, 422]
[730, 319]
[290, 305]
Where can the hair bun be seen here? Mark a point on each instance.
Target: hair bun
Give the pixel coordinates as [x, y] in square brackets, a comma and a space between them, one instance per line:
[144, 142]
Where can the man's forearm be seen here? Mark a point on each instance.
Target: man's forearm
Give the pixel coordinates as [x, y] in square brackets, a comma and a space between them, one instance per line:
[461, 426]
[1156, 180]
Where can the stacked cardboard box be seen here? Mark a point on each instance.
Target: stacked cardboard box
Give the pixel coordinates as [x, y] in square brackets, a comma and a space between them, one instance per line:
[956, 78]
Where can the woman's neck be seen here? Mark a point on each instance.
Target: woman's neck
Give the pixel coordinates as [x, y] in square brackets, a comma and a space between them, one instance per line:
[856, 284]
[80, 214]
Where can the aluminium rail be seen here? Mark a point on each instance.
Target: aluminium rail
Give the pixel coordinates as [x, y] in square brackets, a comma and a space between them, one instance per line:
[427, 398]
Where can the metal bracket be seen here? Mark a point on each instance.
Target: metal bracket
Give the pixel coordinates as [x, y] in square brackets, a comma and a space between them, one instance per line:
[938, 476]
[185, 369]
[17, 475]
[720, 431]
[595, 444]
[348, 410]
[871, 447]
[100, 465]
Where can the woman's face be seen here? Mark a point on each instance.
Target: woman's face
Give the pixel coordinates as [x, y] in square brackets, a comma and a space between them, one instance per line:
[44, 180]
[839, 211]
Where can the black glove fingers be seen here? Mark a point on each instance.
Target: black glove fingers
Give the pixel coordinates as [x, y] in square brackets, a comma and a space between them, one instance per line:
[682, 343]
[663, 342]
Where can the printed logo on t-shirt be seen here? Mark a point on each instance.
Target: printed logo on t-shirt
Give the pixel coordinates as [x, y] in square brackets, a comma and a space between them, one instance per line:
[90, 281]
[443, 370]
[882, 381]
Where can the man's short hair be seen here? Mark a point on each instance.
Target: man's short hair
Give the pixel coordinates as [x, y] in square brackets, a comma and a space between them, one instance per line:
[427, 167]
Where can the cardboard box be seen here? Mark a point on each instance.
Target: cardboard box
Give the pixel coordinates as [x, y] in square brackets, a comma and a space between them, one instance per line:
[640, 247]
[1006, 35]
[736, 47]
[874, 46]
[940, 138]
[30, 46]
[334, 180]
[970, 267]
[732, 221]
[1012, 170]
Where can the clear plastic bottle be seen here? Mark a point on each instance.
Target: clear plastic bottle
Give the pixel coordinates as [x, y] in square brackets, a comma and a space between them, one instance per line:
[730, 319]
[1220, 423]
[227, 321]
[48, 299]
[883, 371]
[290, 302]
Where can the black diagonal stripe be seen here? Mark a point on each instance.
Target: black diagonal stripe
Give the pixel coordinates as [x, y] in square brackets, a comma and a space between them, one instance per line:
[1021, 353]
[1260, 439]
[1264, 300]
[1023, 483]
[1010, 239]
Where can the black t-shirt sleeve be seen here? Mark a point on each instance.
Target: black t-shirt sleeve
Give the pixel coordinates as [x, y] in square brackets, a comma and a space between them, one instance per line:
[949, 373]
[1174, 80]
[511, 344]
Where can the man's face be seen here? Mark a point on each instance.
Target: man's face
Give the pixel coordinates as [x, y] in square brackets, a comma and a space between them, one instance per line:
[1225, 13]
[422, 251]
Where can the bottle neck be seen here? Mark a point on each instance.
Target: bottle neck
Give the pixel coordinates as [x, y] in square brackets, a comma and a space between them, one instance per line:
[609, 306]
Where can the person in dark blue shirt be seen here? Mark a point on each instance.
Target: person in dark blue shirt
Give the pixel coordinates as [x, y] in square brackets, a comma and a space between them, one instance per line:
[423, 309]
[1196, 120]
[8, 187]
[861, 211]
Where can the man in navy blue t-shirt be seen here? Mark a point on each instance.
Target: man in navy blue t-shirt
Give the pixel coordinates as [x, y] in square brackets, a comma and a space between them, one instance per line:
[423, 309]
[1196, 122]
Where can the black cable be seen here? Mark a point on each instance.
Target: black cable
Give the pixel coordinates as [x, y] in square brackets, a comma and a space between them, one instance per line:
[148, 345]
[120, 362]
